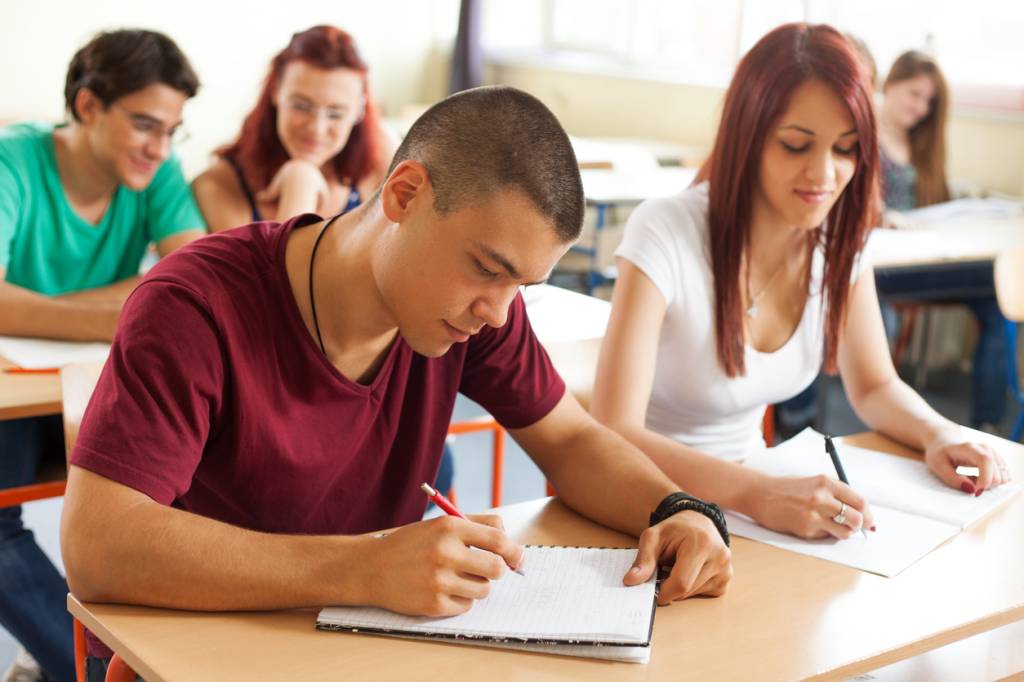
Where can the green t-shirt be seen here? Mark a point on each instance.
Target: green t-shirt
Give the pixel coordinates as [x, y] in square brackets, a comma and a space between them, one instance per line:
[47, 248]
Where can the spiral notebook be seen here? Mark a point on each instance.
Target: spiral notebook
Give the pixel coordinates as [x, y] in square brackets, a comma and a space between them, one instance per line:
[570, 601]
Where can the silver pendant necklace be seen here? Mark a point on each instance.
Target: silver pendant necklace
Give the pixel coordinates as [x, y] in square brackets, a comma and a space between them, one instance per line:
[752, 309]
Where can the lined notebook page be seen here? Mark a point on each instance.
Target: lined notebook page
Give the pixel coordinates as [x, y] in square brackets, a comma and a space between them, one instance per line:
[569, 594]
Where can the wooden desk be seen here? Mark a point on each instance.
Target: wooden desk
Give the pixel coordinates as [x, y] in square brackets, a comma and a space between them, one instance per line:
[786, 617]
[28, 395]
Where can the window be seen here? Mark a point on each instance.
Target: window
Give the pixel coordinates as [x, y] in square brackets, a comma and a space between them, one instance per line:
[978, 44]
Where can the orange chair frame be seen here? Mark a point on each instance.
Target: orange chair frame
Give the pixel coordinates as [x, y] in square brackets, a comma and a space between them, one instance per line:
[486, 423]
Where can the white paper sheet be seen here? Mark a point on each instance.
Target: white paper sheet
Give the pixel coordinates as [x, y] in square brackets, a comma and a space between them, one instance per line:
[914, 511]
[46, 353]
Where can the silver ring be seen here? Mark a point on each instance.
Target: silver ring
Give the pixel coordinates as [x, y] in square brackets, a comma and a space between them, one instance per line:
[840, 518]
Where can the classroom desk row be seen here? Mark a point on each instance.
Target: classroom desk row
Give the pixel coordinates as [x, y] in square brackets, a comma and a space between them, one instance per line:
[786, 617]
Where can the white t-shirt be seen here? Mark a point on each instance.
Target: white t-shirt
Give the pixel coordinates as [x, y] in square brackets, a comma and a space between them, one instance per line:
[692, 400]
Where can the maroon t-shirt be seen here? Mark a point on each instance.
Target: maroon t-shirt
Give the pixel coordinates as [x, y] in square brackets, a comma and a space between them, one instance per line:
[218, 401]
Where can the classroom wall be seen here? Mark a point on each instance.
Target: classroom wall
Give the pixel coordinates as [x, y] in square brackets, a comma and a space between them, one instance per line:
[407, 44]
[985, 151]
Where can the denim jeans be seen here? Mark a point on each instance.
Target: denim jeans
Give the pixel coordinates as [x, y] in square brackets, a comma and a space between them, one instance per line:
[990, 377]
[971, 284]
[33, 594]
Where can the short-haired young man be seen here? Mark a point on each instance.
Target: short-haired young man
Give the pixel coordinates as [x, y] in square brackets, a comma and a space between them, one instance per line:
[79, 204]
[277, 393]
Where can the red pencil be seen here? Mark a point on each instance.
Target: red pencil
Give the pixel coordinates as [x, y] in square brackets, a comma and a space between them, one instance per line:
[31, 370]
[445, 505]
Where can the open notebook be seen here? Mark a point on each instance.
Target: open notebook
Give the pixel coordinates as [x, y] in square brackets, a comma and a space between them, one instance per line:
[914, 511]
[571, 601]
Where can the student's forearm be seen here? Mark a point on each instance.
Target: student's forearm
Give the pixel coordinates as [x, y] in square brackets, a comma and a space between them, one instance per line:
[161, 556]
[727, 484]
[896, 410]
[115, 293]
[603, 477]
[26, 313]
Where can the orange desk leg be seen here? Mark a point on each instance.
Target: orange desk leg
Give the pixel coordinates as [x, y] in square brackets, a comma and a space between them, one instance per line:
[118, 671]
[79, 631]
[498, 456]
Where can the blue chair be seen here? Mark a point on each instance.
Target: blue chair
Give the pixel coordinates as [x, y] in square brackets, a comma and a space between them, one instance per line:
[1008, 274]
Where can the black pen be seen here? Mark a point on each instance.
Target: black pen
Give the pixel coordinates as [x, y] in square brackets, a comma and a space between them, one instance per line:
[830, 448]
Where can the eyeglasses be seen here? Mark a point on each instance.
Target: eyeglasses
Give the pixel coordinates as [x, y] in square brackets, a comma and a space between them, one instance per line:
[336, 116]
[145, 124]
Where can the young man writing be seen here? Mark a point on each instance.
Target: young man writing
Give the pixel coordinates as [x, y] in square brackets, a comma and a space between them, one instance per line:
[289, 387]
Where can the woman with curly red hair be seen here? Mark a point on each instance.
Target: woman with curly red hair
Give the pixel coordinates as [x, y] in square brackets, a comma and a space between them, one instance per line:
[313, 143]
[733, 293]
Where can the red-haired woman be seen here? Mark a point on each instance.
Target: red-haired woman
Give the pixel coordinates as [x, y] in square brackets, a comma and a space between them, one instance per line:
[732, 293]
[911, 133]
[313, 143]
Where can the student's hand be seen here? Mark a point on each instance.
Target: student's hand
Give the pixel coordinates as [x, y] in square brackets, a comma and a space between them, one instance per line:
[947, 451]
[806, 507]
[894, 220]
[690, 543]
[431, 568]
[298, 181]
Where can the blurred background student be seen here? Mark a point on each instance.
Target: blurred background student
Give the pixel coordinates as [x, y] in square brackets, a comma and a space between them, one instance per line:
[912, 142]
[79, 205]
[313, 142]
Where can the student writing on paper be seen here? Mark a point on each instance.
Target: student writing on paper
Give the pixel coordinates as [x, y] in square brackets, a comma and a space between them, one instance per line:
[312, 144]
[276, 394]
[79, 204]
[911, 140]
[732, 293]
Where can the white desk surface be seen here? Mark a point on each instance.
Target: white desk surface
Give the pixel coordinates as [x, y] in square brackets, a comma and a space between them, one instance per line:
[632, 187]
[558, 315]
[948, 241]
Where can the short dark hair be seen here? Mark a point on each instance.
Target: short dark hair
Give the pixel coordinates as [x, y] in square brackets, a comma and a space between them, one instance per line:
[117, 63]
[486, 139]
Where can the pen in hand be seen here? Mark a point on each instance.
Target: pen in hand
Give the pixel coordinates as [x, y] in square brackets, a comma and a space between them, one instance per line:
[830, 448]
[445, 505]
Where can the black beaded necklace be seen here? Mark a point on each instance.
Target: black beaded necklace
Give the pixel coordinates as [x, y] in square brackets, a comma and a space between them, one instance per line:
[312, 300]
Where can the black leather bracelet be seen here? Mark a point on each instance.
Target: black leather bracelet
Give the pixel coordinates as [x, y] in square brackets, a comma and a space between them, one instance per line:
[680, 501]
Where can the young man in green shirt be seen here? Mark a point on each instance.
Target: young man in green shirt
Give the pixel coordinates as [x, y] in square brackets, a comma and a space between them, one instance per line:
[79, 205]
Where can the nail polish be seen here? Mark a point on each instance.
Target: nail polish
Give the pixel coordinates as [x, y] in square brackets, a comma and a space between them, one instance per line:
[873, 528]
[967, 488]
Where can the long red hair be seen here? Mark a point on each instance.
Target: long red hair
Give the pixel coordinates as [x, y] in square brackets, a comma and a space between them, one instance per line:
[757, 97]
[928, 136]
[258, 149]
